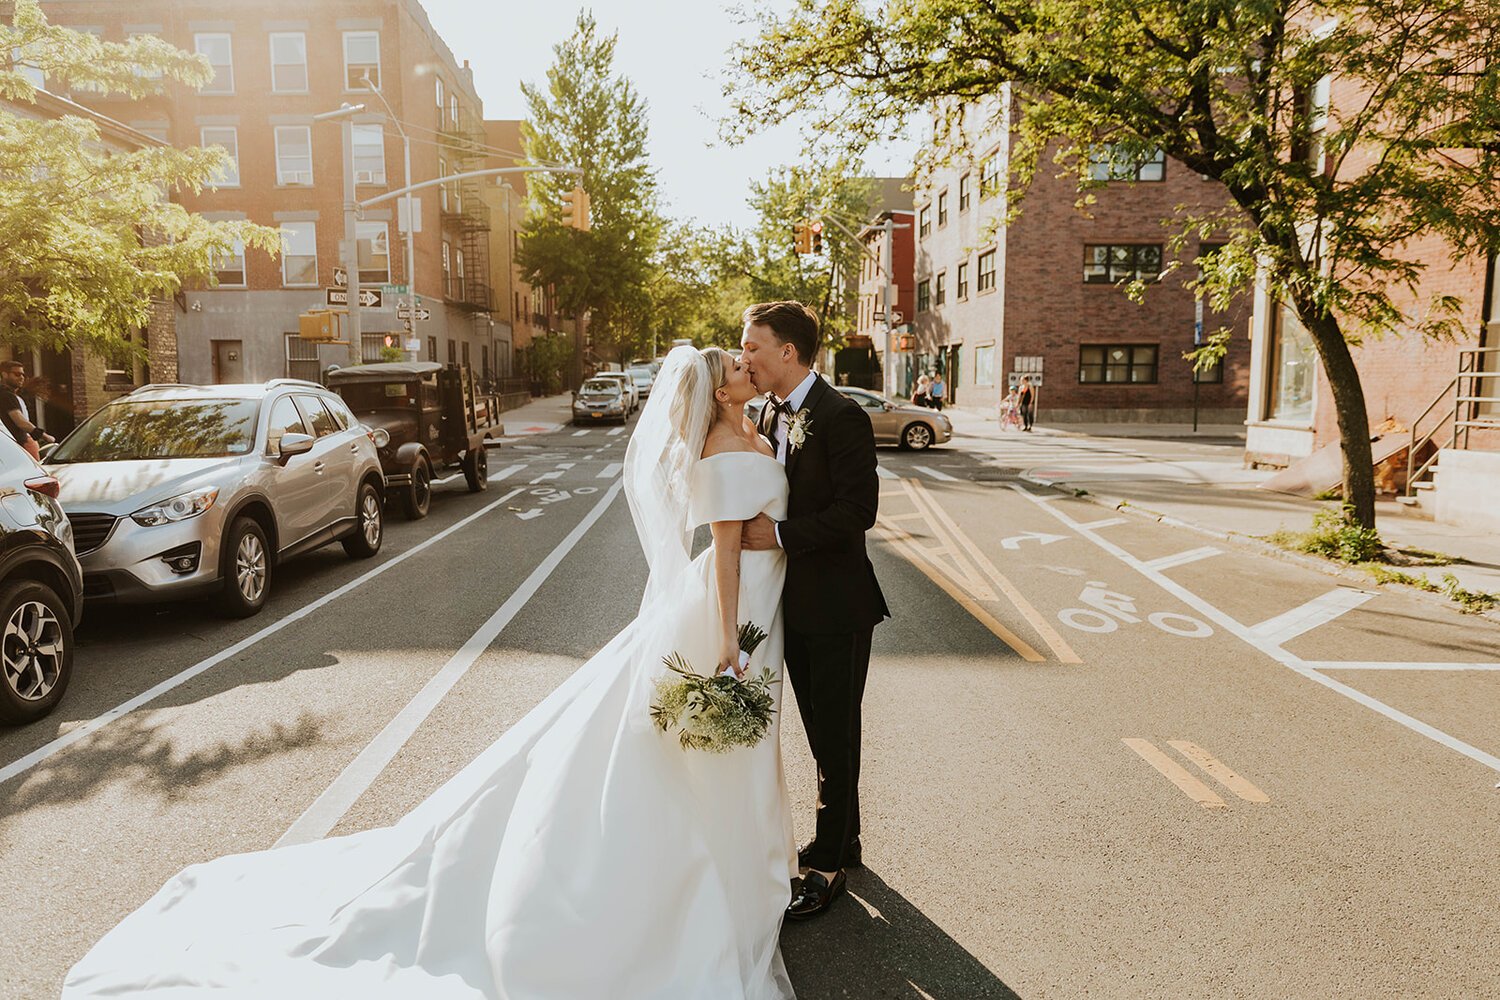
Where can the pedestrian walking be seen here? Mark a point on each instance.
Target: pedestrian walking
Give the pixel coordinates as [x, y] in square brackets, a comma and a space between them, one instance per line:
[938, 389]
[922, 394]
[1010, 411]
[14, 413]
[1027, 397]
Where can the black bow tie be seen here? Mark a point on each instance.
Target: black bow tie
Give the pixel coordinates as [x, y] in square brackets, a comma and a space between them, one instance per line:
[782, 406]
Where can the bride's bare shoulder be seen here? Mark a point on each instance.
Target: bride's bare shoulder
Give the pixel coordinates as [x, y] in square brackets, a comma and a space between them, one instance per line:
[723, 441]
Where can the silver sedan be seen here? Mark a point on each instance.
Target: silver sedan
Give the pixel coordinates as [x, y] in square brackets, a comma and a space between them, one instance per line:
[895, 422]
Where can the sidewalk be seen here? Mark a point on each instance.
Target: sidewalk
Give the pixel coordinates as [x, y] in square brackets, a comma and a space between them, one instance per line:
[540, 416]
[1199, 481]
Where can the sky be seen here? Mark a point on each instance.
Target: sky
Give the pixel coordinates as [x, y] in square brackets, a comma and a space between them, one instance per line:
[674, 52]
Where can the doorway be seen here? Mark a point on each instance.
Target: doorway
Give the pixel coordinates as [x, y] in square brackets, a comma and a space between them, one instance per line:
[229, 361]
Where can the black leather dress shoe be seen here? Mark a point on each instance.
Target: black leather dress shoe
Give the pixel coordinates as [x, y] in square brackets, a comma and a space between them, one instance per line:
[851, 859]
[814, 895]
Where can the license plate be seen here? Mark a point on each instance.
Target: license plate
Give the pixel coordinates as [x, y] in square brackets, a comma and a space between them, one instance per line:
[596, 415]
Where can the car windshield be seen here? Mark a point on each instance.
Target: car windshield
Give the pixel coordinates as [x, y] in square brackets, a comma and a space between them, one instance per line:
[640, 373]
[379, 395]
[603, 387]
[165, 428]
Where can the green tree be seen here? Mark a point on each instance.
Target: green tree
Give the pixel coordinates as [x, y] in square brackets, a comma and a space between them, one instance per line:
[588, 117]
[1326, 198]
[700, 287]
[86, 238]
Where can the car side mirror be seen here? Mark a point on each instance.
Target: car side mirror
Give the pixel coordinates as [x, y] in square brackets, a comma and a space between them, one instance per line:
[295, 444]
[888, 406]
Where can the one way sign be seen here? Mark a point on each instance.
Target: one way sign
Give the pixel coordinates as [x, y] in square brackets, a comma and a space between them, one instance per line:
[369, 298]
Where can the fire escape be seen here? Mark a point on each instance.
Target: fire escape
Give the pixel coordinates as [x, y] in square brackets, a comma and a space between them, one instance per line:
[466, 216]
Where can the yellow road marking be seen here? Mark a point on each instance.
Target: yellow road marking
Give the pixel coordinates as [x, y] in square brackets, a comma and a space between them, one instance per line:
[1058, 645]
[1219, 771]
[913, 555]
[1176, 774]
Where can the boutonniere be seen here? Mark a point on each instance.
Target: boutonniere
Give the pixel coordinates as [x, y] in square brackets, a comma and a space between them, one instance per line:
[797, 430]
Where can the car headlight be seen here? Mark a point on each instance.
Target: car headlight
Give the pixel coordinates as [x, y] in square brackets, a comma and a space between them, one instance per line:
[179, 508]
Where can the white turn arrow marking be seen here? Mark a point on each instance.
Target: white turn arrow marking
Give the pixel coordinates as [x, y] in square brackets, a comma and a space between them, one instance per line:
[1014, 541]
[533, 512]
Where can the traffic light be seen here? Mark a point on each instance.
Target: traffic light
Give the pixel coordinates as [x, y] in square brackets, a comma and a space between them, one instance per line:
[575, 210]
[817, 237]
[320, 327]
[802, 237]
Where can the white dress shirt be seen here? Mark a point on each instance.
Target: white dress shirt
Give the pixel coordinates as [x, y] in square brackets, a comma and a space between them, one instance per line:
[783, 424]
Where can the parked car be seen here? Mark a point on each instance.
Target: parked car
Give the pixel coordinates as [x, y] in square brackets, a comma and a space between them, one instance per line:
[644, 378]
[41, 588]
[895, 422]
[631, 391]
[178, 491]
[432, 418]
[600, 400]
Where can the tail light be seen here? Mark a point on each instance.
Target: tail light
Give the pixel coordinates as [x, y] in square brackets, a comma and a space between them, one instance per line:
[47, 486]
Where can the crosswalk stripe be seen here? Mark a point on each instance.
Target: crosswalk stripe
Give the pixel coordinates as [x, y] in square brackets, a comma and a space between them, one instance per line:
[617, 430]
[885, 473]
[1182, 558]
[554, 474]
[1306, 617]
[610, 471]
[941, 477]
[507, 472]
[579, 434]
[565, 465]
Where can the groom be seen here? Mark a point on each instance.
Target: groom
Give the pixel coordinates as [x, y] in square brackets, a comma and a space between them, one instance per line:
[832, 602]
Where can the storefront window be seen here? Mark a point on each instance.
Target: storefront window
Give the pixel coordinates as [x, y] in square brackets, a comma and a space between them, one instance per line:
[1293, 368]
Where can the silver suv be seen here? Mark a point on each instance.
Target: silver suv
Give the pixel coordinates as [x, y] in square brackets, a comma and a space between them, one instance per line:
[179, 491]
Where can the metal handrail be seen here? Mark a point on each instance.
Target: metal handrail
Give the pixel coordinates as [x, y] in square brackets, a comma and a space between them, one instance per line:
[1470, 369]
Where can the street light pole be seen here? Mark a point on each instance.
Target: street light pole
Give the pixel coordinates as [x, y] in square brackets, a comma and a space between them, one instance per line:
[411, 220]
[350, 248]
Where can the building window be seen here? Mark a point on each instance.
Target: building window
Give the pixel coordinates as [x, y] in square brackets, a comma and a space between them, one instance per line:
[984, 364]
[361, 60]
[1107, 264]
[452, 352]
[369, 154]
[432, 349]
[221, 57]
[453, 109]
[438, 88]
[924, 296]
[458, 270]
[942, 207]
[226, 138]
[987, 271]
[1294, 365]
[374, 253]
[989, 176]
[294, 165]
[924, 221]
[301, 358]
[940, 289]
[1117, 363]
[442, 188]
[1212, 375]
[289, 62]
[138, 70]
[963, 281]
[464, 347]
[229, 267]
[1110, 163]
[516, 311]
[447, 268]
[299, 254]
[963, 193]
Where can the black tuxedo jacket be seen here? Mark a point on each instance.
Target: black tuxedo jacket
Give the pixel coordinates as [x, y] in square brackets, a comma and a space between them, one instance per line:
[830, 584]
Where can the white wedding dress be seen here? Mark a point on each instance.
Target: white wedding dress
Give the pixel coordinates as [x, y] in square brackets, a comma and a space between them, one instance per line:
[583, 855]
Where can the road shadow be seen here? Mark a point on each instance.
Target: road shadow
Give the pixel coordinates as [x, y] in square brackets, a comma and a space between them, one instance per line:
[878, 946]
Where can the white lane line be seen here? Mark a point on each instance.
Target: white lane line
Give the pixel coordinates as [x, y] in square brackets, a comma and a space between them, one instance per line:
[885, 473]
[941, 477]
[565, 465]
[337, 798]
[1306, 617]
[84, 729]
[507, 472]
[446, 479]
[1386, 665]
[616, 430]
[579, 434]
[1183, 558]
[1108, 522]
[1273, 651]
[554, 474]
[610, 471]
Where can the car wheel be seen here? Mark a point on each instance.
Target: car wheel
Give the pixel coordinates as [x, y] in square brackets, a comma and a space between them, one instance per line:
[245, 574]
[365, 541]
[416, 499]
[38, 651]
[917, 436]
[477, 470]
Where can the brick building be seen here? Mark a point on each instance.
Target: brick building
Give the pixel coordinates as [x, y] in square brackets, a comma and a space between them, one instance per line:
[869, 321]
[277, 64]
[1039, 297]
[81, 380]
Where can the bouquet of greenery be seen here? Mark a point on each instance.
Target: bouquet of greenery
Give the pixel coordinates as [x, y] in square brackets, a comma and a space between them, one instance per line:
[715, 713]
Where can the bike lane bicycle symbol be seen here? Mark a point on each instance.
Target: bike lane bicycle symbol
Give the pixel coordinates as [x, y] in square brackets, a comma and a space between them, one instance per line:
[1107, 610]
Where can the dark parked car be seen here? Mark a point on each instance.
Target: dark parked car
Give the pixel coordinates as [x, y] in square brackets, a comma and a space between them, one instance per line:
[41, 588]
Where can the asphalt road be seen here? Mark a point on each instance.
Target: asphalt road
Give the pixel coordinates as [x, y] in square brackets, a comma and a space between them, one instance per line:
[1103, 756]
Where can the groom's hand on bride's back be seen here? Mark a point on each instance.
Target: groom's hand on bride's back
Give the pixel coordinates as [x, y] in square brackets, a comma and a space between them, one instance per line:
[759, 533]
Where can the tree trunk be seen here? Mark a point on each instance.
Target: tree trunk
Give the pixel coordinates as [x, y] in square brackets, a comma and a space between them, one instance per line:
[1353, 420]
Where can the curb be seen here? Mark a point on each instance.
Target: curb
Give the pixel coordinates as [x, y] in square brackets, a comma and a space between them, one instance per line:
[1255, 544]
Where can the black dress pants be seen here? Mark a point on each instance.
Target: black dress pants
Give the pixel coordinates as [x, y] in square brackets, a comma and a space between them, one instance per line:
[828, 677]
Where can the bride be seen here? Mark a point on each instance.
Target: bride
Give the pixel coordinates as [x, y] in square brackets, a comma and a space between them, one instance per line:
[584, 854]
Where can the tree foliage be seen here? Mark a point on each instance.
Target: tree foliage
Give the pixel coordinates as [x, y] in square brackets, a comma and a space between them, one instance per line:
[1328, 196]
[87, 239]
[587, 117]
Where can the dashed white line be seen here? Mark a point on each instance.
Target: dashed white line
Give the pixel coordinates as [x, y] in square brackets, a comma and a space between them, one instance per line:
[1306, 617]
[1183, 558]
[616, 430]
[565, 465]
[885, 473]
[554, 474]
[507, 472]
[85, 729]
[447, 479]
[337, 798]
[579, 434]
[941, 477]
[610, 471]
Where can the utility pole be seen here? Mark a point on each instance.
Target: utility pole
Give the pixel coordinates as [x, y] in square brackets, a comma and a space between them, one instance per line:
[411, 220]
[350, 248]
